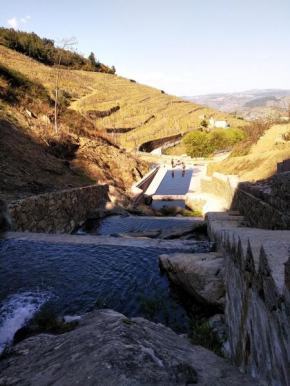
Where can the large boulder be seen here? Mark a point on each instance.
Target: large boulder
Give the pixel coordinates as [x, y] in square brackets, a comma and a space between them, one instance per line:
[199, 274]
[110, 349]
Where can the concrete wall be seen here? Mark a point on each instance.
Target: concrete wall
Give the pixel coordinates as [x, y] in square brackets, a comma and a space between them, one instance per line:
[155, 143]
[142, 185]
[56, 212]
[220, 185]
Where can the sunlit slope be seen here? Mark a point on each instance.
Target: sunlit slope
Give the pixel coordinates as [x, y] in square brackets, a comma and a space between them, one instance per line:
[140, 113]
[261, 162]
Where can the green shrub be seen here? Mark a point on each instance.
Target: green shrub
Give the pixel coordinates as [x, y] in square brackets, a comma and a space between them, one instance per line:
[197, 144]
[200, 144]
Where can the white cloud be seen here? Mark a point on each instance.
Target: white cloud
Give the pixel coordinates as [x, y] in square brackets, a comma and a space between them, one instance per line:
[25, 19]
[13, 22]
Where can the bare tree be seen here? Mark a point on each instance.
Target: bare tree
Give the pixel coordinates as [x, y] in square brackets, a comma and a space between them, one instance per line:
[66, 44]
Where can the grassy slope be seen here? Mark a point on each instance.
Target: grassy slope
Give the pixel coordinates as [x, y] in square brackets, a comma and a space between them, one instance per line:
[165, 115]
[34, 160]
[262, 160]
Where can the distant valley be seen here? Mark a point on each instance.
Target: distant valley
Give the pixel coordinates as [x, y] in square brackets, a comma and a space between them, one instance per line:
[250, 104]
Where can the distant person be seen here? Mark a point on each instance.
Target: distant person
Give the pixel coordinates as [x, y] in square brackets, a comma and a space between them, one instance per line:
[172, 163]
[172, 174]
[183, 173]
[152, 166]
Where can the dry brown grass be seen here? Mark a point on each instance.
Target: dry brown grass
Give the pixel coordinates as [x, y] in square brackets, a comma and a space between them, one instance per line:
[148, 112]
[261, 160]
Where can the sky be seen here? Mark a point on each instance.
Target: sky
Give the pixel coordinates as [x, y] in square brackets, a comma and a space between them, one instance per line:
[184, 47]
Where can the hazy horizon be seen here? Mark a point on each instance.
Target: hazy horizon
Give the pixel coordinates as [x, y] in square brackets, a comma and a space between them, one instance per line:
[185, 48]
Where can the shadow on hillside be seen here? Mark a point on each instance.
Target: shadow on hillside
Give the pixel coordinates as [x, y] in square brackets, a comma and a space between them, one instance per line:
[29, 166]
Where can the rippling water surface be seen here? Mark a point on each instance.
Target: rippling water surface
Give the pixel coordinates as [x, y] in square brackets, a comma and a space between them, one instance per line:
[118, 224]
[78, 278]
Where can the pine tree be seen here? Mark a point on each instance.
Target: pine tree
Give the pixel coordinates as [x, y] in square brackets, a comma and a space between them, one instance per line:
[92, 59]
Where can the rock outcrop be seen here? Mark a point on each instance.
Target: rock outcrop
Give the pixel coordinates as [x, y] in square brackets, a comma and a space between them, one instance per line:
[110, 349]
[199, 274]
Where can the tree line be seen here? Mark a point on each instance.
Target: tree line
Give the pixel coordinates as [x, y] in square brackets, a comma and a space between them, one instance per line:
[44, 50]
[203, 144]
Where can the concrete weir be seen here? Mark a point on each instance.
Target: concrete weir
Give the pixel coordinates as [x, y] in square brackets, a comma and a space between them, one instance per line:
[257, 280]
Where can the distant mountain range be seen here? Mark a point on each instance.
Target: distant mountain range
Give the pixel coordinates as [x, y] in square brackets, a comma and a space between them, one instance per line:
[250, 104]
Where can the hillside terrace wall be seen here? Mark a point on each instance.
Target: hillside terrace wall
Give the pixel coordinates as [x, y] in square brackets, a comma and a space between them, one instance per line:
[57, 212]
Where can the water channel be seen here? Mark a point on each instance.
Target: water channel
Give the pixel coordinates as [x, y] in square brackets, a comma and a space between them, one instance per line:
[74, 279]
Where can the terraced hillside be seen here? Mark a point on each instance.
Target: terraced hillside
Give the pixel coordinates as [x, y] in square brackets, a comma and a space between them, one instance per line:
[129, 112]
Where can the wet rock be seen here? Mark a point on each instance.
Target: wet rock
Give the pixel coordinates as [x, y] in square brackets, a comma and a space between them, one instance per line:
[218, 324]
[110, 349]
[117, 197]
[5, 219]
[109, 209]
[140, 210]
[199, 274]
[168, 234]
[142, 234]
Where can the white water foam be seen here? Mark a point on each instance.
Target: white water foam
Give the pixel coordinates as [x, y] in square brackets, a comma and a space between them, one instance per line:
[71, 318]
[16, 312]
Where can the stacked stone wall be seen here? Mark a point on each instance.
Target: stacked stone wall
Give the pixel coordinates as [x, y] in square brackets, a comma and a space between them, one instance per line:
[259, 213]
[265, 206]
[58, 212]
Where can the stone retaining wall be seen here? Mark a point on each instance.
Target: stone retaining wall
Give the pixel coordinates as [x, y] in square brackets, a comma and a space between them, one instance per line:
[265, 206]
[259, 213]
[56, 212]
[257, 280]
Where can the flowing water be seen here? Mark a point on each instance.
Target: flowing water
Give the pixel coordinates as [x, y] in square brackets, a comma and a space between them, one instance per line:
[118, 224]
[76, 279]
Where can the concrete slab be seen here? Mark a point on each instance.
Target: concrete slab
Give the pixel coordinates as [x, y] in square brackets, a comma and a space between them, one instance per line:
[271, 246]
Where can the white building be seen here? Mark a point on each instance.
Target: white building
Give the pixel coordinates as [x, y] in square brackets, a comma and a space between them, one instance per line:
[218, 124]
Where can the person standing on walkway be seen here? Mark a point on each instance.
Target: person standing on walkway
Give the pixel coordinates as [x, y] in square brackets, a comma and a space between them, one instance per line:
[172, 163]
